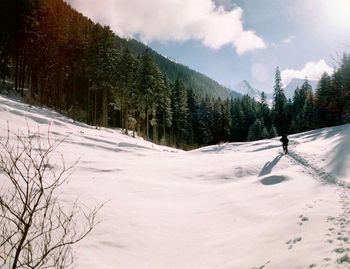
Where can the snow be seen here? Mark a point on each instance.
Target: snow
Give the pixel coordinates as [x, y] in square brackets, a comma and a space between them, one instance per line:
[233, 205]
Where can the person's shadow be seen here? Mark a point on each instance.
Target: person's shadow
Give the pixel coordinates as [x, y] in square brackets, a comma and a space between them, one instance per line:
[269, 165]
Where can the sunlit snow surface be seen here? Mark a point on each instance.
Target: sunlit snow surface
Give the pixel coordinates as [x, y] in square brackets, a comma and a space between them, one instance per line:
[234, 205]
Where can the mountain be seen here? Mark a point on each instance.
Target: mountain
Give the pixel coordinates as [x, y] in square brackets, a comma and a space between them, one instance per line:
[200, 83]
[245, 88]
[297, 82]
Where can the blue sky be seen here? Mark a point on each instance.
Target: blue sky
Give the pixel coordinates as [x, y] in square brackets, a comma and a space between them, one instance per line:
[232, 40]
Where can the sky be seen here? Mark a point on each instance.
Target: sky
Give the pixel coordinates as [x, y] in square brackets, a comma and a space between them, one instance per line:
[235, 40]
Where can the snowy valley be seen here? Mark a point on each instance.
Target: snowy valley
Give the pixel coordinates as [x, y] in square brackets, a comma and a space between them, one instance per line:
[231, 205]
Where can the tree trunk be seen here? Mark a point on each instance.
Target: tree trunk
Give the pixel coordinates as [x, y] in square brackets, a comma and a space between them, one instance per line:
[22, 73]
[126, 121]
[104, 108]
[138, 122]
[95, 114]
[16, 69]
[155, 133]
[147, 125]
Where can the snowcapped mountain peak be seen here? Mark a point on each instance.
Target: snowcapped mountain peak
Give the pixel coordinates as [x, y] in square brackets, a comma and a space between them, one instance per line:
[297, 82]
[245, 88]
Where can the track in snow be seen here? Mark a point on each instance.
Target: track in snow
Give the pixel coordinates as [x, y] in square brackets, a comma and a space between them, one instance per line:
[339, 230]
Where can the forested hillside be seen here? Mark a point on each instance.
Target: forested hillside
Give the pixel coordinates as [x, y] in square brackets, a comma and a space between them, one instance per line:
[64, 61]
[201, 84]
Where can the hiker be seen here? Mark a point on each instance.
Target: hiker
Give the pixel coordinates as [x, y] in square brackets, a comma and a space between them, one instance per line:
[284, 139]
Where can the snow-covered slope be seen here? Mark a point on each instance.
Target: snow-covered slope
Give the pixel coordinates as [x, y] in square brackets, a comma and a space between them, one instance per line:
[246, 89]
[237, 205]
[297, 82]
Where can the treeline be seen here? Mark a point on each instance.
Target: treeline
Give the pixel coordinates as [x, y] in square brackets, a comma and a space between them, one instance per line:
[68, 63]
[328, 105]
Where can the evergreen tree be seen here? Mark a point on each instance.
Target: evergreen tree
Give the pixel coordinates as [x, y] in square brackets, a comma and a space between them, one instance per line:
[194, 105]
[165, 113]
[226, 121]
[126, 93]
[299, 106]
[249, 108]
[149, 84]
[217, 124]
[322, 102]
[341, 87]
[237, 121]
[337, 104]
[264, 112]
[273, 132]
[257, 131]
[279, 105]
[103, 68]
[161, 103]
[309, 112]
[180, 113]
[205, 122]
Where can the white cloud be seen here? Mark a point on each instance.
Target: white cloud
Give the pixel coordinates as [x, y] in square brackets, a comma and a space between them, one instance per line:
[311, 70]
[174, 20]
[289, 39]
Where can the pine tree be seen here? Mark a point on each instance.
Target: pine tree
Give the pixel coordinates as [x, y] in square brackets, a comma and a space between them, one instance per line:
[194, 105]
[309, 112]
[165, 113]
[237, 121]
[301, 117]
[180, 113]
[264, 112]
[322, 102]
[337, 104]
[149, 84]
[126, 93]
[257, 131]
[103, 69]
[249, 108]
[279, 105]
[217, 124]
[341, 87]
[161, 103]
[273, 132]
[226, 121]
[205, 122]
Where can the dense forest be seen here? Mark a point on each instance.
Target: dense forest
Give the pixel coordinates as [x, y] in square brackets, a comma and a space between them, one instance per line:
[60, 59]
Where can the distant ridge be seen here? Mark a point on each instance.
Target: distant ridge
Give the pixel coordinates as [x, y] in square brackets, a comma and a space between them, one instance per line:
[297, 82]
[201, 84]
[245, 88]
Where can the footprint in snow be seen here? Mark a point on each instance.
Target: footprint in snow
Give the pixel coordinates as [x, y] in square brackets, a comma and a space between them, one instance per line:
[302, 219]
[344, 259]
[262, 266]
[292, 242]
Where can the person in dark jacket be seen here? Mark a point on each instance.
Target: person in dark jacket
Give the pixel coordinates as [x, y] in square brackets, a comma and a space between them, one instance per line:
[284, 139]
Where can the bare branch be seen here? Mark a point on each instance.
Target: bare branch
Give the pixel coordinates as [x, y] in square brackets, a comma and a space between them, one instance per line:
[37, 231]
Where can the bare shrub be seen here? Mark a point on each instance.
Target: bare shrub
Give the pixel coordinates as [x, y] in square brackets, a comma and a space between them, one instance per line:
[36, 229]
